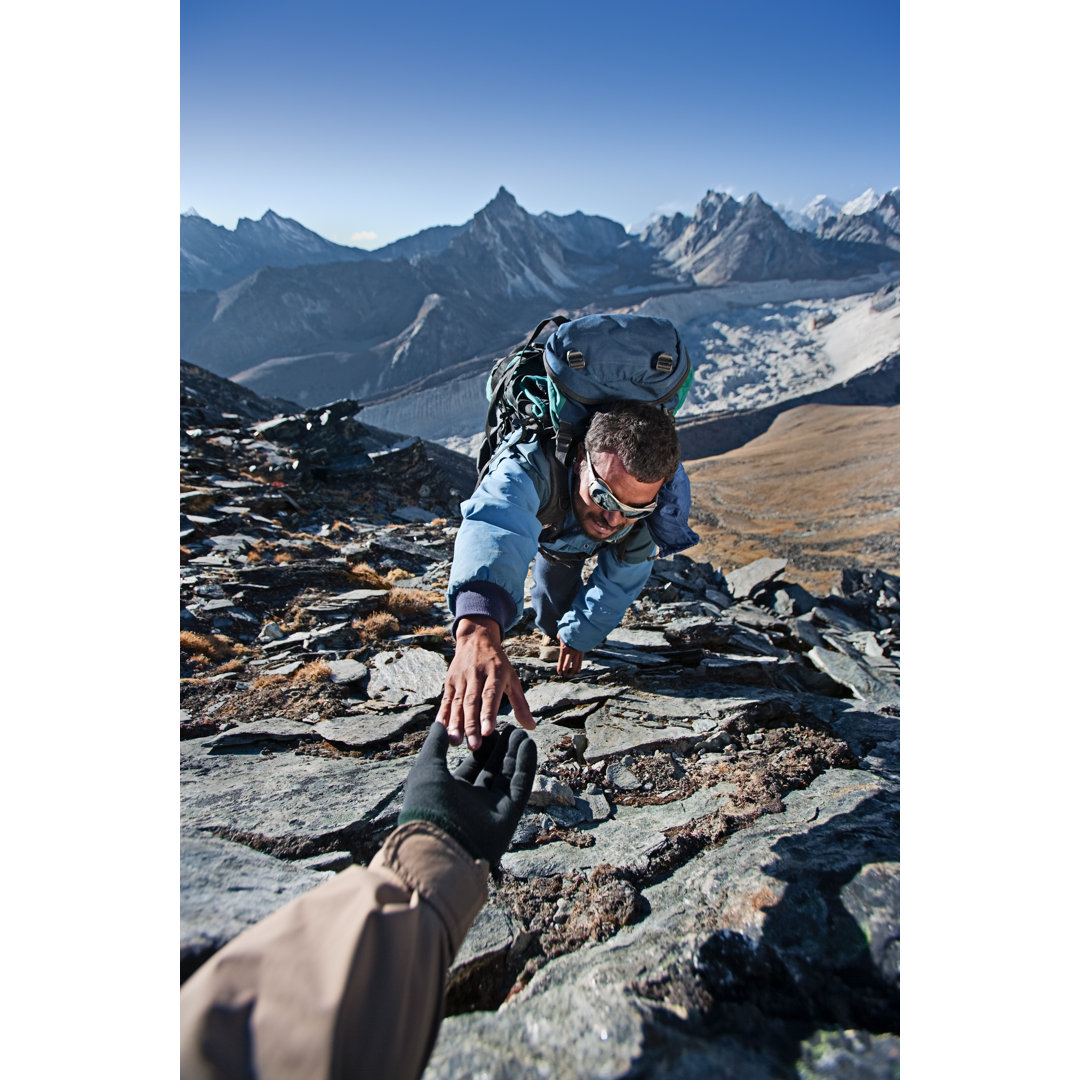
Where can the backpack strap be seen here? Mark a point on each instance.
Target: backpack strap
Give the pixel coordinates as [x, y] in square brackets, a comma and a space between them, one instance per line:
[558, 320]
[553, 513]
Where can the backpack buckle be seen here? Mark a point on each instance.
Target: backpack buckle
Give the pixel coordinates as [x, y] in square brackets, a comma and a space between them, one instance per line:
[664, 363]
[563, 438]
[576, 359]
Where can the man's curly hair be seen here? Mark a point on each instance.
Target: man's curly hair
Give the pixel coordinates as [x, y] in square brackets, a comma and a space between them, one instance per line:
[641, 435]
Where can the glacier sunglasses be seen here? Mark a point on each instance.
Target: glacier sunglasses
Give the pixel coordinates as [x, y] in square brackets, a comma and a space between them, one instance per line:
[601, 494]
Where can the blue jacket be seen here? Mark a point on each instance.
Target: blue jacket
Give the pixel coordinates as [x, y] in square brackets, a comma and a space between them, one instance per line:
[500, 535]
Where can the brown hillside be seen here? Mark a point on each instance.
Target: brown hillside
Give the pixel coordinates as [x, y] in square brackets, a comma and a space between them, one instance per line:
[820, 488]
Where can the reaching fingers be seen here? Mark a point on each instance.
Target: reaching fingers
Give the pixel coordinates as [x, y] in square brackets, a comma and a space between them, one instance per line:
[436, 743]
[569, 659]
[450, 715]
[523, 754]
[480, 761]
[518, 703]
[490, 700]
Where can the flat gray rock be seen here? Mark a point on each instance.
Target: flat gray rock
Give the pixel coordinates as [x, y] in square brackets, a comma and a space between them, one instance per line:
[369, 728]
[493, 931]
[226, 887]
[622, 777]
[827, 615]
[548, 698]
[637, 639]
[285, 669]
[742, 582]
[547, 791]
[346, 672]
[272, 729]
[285, 803]
[626, 837]
[860, 679]
[411, 678]
[637, 657]
[611, 735]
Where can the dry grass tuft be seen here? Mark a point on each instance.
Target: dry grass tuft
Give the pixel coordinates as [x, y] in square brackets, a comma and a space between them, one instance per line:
[264, 682]
[284, 557]
[379, 624]
[369, 576]
[405, 603]
[315, 672]
[203, 648]
[397, 574]
[235, 664]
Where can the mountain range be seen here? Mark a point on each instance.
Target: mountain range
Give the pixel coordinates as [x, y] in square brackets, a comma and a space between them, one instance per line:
[279, 309]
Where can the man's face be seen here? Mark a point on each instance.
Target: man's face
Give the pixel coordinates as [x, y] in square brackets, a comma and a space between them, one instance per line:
[596, 522]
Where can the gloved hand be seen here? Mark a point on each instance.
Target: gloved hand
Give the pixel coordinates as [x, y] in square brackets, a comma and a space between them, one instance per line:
[481, 804]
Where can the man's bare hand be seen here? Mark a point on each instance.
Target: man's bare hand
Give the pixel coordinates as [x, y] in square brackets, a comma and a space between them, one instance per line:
[569, 659]
[479, 675]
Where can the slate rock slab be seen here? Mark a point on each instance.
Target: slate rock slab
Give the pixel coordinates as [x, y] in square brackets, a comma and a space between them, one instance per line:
[617, 735]
[369, 728]
[494, 932]
[743, 581]
[346, 672]
[626, 837]
[287, 804]
[637, 639]
[413, 677]
[768, 915]
[226, 887]
[849, 672]
[548, 698]
[274, 729]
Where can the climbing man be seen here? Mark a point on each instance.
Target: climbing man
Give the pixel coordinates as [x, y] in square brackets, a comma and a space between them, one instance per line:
[615, 477]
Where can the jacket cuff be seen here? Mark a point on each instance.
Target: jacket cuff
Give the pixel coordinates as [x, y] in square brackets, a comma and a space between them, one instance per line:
[484, 598]
[431, 862]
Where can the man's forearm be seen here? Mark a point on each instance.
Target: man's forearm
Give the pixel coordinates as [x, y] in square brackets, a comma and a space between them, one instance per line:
[345, 980]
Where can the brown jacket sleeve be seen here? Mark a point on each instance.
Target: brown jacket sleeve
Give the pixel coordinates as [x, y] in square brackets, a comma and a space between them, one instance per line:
[344, 981]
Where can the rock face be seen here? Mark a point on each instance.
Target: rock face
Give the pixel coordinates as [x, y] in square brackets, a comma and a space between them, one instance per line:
[706, 879]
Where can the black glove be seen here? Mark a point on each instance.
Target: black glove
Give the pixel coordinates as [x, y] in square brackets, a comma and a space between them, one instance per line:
[482, 802]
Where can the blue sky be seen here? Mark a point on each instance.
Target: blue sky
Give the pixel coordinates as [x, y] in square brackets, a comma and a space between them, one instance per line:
[370, 121]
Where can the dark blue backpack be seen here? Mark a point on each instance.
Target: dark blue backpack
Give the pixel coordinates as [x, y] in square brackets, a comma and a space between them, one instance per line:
[548, 390]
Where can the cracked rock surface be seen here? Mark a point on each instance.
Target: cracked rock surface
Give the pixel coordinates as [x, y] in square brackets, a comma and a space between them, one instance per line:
[706, 879]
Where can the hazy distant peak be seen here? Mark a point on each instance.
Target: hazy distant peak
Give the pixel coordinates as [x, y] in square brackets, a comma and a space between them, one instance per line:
[192, 213]
[866, 201]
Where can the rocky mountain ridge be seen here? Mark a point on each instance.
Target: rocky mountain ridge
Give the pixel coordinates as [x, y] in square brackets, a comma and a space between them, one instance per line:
[372, 326]
[214, 257]
[706, 881]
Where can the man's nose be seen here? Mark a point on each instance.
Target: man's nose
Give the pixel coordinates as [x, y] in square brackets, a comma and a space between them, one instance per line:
[613, 517]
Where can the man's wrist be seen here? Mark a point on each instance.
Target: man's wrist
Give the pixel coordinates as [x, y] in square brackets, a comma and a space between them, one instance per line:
[483, 598]
[485, 625]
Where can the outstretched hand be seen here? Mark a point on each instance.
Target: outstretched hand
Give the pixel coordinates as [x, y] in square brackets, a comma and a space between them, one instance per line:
[480, 804]
[480, 674]
[569, 659]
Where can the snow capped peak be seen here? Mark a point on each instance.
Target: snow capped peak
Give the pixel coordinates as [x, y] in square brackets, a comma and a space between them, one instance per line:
[864, 202]
[191, 212]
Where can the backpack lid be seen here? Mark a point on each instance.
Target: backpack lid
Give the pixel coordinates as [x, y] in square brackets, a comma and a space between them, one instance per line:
[603, 358]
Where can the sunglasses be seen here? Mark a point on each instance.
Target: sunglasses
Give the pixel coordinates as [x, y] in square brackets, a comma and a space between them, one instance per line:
[601, 494]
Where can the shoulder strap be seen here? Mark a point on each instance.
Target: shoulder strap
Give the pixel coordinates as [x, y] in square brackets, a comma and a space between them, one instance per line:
[553, 513]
